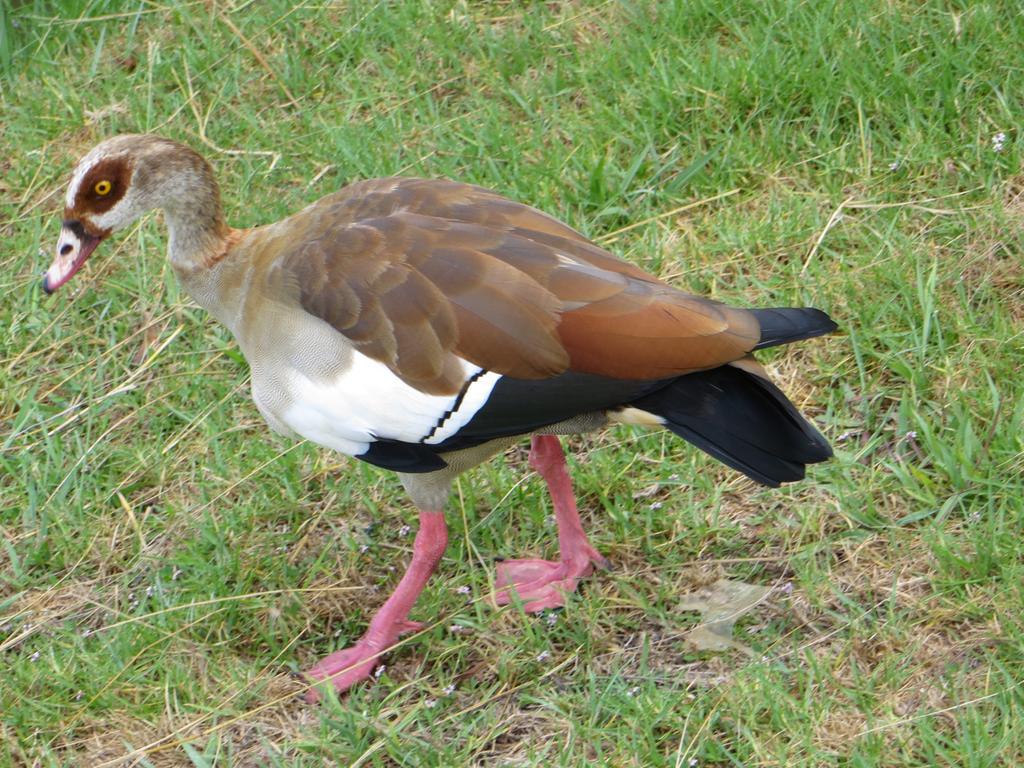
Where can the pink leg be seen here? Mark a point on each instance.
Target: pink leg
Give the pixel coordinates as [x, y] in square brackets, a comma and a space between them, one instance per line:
[347, 667]
[541, 583]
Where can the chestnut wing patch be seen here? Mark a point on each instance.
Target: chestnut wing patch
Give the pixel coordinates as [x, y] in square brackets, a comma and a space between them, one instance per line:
[418, 274]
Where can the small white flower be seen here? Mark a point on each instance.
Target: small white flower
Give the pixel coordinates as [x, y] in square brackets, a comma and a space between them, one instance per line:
[149, 591]
[404, 530]
[998, 141]
[34, 656]
[86, 632]
[656, 505]
[463, 590]
[79, 695]
[633, 691]
[551, 619]
[379, 671]
[364, 548]
[430, 703]
[693, 762]
[543, 655]
[894, 165]
[456, 629]
[911, 435]
[449, 689]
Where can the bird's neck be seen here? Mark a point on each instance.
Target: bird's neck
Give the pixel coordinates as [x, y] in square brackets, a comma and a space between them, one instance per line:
[198, 235]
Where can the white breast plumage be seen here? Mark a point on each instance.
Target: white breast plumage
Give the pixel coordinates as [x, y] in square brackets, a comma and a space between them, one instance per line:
[368, 402]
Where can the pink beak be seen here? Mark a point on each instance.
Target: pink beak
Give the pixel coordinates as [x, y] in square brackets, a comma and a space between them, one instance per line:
[73, 248]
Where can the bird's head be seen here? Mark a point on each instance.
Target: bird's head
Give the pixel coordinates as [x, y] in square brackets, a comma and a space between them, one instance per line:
[118, 181]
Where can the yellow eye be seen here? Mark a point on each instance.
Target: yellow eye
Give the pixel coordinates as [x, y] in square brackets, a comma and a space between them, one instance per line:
[102, 187]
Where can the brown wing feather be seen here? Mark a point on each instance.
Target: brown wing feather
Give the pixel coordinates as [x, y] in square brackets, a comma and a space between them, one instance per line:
[418, 272]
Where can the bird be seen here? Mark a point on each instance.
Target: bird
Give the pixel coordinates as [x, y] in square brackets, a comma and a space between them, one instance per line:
[425, 325]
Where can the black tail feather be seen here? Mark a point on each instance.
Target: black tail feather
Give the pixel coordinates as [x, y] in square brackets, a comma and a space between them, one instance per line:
[782, 325]
[742, 420]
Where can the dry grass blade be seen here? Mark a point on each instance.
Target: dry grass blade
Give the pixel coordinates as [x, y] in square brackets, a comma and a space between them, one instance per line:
[259, 57]
[612, 236]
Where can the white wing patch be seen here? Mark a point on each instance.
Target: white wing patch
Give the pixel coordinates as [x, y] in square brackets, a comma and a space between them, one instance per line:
[368, 401]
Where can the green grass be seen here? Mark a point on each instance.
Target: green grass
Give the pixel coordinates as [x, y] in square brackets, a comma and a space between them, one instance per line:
[166, 563]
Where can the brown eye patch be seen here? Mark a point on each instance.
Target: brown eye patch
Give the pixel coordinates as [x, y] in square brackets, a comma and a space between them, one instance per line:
[103, 186]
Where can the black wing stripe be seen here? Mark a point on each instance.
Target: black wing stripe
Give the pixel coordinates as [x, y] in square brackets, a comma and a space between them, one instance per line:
[455, 406]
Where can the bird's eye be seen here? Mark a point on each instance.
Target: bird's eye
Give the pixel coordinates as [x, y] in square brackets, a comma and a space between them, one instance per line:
[102, 187]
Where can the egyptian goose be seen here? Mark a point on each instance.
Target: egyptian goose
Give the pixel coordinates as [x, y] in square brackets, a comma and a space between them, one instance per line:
[424, 325]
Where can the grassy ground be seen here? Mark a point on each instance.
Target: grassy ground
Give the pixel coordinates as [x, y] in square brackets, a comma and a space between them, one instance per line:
[166, 564]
